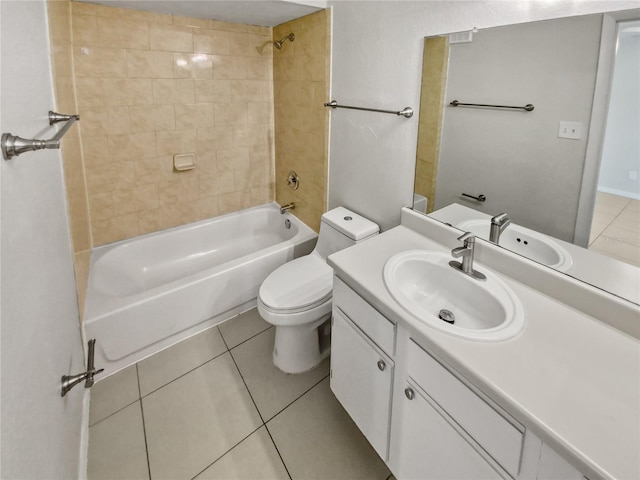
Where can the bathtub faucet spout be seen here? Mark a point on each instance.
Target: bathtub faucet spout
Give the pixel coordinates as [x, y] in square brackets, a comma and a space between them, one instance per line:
[288, 206]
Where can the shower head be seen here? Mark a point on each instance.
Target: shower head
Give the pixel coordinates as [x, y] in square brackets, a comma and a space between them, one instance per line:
[279, 43]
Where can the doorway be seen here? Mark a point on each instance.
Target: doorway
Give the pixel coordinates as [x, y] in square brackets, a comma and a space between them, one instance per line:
[615, 224]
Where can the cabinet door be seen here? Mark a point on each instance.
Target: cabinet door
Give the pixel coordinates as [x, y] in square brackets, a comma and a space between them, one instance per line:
[361, 377]
[430, 448]
[553, 467]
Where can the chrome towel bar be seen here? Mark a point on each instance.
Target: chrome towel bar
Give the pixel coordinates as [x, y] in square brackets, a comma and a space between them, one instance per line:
[529, 107]
[406, 112]
[12, 145]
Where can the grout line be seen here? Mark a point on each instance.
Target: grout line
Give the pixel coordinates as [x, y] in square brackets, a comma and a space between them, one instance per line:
[256, 407]
[246, 340]
[247, 387]
[182, 374]
[278, 451]
[117, 411]
[227, 451]
[144, 426]
[299, 397]
[202, 364]
[608, 224]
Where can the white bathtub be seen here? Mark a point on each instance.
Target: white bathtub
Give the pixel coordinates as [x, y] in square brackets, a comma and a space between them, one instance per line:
[147, 293]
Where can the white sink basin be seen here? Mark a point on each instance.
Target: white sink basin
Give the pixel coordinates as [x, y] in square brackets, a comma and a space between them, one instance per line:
[523, 241]
[424, 284]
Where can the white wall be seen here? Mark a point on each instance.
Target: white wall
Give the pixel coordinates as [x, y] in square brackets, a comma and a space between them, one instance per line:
[40, 329]
[377, 62]
[621, 149]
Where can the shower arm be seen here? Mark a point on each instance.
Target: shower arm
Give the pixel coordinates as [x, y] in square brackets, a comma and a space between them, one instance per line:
[291, 37]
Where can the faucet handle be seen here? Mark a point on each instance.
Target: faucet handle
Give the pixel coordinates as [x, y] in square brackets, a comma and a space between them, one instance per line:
[501, 219]
[467, 238]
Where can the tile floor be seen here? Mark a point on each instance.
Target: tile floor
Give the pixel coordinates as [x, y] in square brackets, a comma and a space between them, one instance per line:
[215, 407]
[615, 229]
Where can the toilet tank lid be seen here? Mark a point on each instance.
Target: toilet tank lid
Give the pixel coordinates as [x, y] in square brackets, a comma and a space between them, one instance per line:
[350, 224]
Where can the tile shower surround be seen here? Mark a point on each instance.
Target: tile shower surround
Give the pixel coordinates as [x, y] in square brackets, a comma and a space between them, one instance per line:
[149, 86]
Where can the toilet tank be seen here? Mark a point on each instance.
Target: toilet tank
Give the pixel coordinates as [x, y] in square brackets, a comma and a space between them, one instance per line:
[340, 228]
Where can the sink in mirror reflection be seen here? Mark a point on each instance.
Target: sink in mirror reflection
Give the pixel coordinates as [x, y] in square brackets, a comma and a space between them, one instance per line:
[540, 248]
[433, 292]
[523, 162]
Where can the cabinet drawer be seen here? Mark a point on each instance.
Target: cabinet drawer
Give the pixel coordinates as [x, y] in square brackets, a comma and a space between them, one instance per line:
[500, 437]
[367, 318]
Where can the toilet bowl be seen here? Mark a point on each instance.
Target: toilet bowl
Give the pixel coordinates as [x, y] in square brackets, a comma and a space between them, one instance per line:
[296, 297]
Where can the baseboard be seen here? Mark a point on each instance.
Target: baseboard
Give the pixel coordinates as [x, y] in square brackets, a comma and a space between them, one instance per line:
[620, 193]
[84, 436]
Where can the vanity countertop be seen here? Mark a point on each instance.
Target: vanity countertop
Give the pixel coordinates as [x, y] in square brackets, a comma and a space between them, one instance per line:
[570, 379]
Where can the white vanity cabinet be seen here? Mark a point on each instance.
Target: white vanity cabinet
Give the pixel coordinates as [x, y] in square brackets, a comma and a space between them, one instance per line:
[430, 447]
[447, 430]
[362, 343]
[361, 379]
[424, 419]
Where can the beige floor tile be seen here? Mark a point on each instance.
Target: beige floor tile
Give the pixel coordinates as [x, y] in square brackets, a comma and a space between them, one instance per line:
[607, 210]
[628, 219]
[603, 214]
[255, 458]
[117, 448]
[597, 227]
[318, 440]
[113, 393]
[618, 232]
[169, 364]
[271, 389]
[633, 206]
[241, 328]
[610, 247]
[194, 420]
[610, 200]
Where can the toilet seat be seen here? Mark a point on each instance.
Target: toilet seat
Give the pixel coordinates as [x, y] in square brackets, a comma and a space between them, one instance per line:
[299, 285]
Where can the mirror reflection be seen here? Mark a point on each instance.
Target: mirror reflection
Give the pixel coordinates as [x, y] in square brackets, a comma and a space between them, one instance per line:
[535, 165]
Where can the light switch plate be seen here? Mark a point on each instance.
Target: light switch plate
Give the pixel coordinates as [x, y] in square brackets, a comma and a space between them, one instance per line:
[570, 130]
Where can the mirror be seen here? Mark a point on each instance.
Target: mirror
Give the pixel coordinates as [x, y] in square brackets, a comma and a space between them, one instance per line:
[540, 166]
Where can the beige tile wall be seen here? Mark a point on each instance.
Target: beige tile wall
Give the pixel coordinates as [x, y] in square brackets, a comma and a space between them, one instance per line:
[150, 86]
[434, 79]
[59, 16]
[301, 87]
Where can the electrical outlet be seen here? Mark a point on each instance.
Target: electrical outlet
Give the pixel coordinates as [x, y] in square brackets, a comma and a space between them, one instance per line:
[570, 130]
[633, 175]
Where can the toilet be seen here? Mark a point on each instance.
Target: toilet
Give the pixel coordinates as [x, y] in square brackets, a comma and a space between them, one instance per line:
[296, 297]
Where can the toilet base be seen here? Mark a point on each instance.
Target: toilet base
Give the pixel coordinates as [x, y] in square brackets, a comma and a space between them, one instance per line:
[298, 349]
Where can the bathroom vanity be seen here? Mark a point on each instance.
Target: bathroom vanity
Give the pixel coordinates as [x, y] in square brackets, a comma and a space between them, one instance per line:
[559, 399]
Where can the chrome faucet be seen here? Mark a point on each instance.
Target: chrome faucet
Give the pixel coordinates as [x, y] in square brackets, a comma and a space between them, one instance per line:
[498, 224]
[467, 253]
[288, 206]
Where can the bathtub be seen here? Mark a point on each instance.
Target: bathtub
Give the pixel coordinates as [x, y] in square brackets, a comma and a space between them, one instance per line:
[147, 293]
